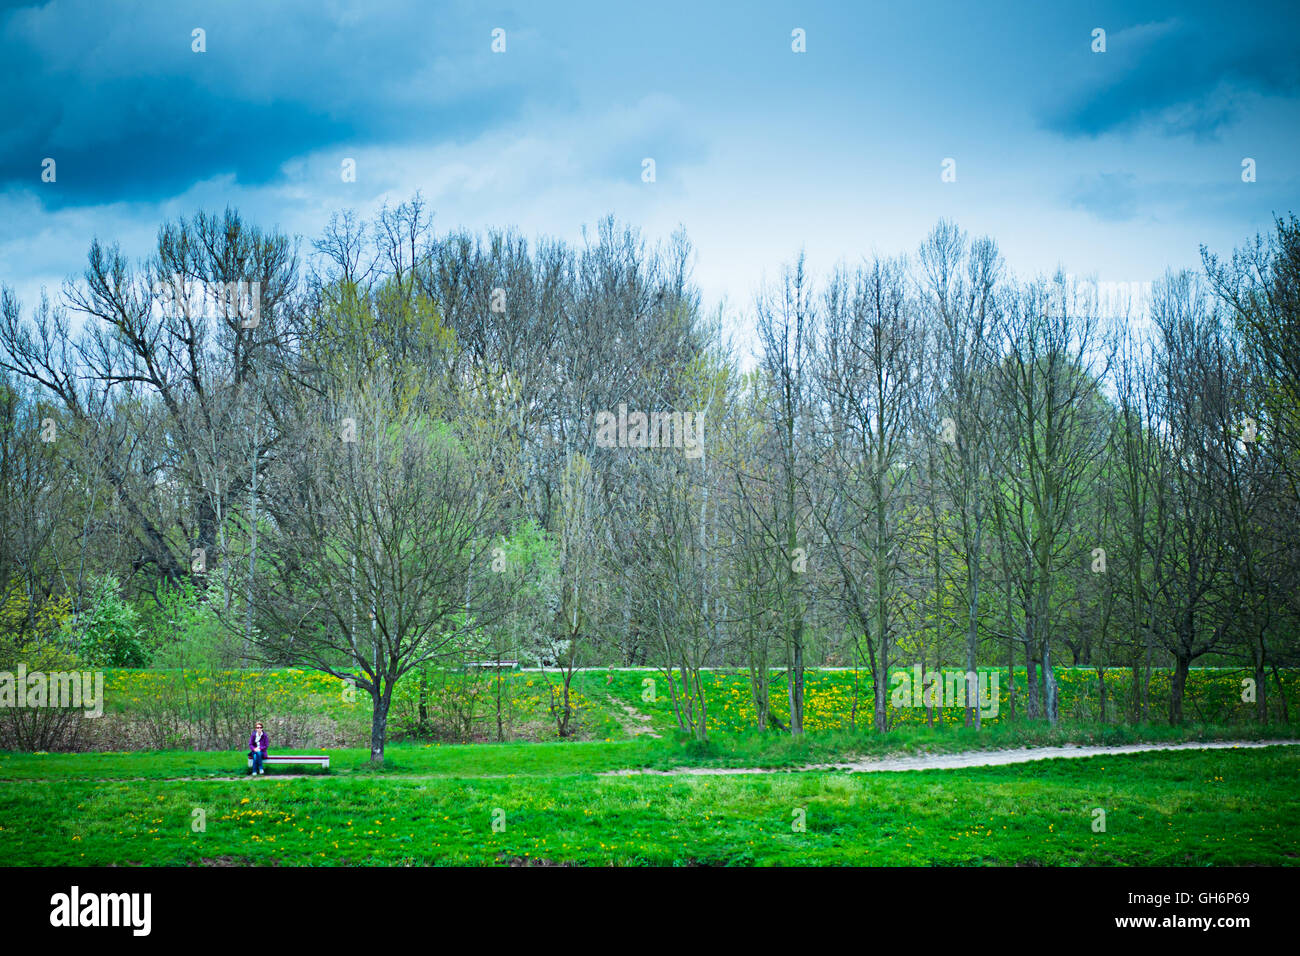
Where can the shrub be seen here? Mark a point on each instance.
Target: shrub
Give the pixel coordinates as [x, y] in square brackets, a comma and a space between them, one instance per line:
[107, 633]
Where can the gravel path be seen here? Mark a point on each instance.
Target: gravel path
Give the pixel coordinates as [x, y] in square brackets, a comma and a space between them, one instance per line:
[970, 758]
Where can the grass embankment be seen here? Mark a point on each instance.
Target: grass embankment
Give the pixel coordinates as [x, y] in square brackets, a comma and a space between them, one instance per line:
[169, 708]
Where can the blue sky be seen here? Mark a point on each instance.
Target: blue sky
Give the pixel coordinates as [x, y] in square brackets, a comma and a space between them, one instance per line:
[1116, 165]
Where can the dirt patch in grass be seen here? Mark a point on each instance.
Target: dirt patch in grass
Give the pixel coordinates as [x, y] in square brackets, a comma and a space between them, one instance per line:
[633, 722]
[507, 860]
[224, 861]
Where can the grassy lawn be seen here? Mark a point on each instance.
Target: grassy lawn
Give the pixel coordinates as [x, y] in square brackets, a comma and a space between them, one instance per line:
[437, 805]
[770, 750]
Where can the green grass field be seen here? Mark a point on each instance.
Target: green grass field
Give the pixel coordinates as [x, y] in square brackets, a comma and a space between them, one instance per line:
[533, 803]
[542, 800]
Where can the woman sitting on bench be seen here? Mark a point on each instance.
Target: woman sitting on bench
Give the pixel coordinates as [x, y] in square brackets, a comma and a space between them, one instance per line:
[257, 744]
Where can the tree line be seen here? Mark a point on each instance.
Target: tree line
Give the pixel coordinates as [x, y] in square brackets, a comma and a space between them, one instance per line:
[395, 447]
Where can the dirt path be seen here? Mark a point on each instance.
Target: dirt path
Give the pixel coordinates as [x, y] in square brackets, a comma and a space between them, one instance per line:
[955, 761]
[636, 723]
[970, 758]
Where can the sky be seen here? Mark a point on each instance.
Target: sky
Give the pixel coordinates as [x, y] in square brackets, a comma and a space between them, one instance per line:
[1114, 165]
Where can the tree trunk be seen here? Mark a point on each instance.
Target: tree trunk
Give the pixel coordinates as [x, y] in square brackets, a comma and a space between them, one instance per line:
[564, 717]
[853, 710]
[929, 710]
[972, 639]
[796, 684]
[1281, 695]
[880, 686]
[1031, 679]
[1049, 686]
[379, 722]
[1136, 690]
[207, 537]
[881, 548]
[1011, 679]
[972, 622]
[501, 730]
[758, 679]
[1261, 693]
[1146, 682]
[422, 725]
[252, 545]
[1182, 664]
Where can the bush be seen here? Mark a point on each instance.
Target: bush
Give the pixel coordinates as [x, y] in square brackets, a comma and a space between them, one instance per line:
[107, 633]
[43, 728]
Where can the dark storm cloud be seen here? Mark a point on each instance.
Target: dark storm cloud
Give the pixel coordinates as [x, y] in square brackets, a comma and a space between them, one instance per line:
[1194, 72]
[116, 96]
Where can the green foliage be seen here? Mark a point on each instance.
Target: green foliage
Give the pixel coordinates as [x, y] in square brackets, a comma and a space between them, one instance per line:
[182, 630]
[107, 633]
[29, 636]
[24, 623]
[527, 563]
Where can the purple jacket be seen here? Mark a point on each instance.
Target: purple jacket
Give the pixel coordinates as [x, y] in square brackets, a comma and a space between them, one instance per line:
[252, 741]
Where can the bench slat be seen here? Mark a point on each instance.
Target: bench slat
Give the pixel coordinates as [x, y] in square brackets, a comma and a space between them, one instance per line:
[320, 760]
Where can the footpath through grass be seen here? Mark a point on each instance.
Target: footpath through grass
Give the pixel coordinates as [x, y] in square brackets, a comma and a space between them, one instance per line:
[495, 804]
[752, 749]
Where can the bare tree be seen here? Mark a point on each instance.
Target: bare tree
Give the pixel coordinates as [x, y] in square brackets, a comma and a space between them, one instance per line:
[1056, 429]
[871, 373]
[1197, 604]
[379, 555]
[959, 291]
[786, 319]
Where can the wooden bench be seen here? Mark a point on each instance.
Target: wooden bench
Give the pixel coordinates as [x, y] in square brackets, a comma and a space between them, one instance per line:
[319, 760]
